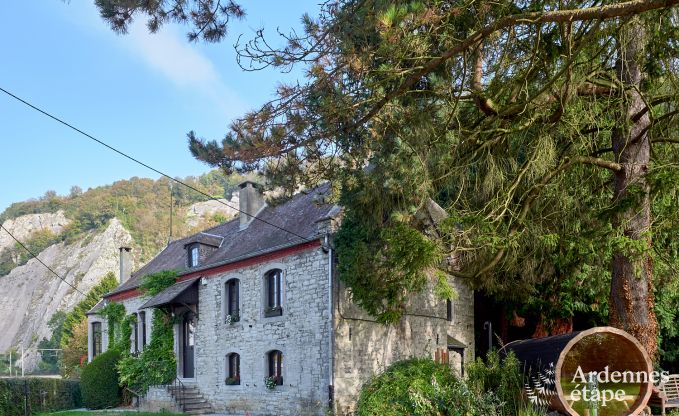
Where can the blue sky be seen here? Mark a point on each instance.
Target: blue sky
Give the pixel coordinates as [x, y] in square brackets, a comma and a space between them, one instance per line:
[140, 93]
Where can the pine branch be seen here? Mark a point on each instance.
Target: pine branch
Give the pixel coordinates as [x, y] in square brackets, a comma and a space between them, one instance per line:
[595, 161]
[667, 140]
[628, 8]
[530, 199]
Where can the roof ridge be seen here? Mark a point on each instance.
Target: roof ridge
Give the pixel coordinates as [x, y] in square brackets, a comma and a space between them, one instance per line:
[211, 235]
[300, 213]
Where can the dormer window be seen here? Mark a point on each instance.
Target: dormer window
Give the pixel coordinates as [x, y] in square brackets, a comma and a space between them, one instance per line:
[200, 247]
[194, 255]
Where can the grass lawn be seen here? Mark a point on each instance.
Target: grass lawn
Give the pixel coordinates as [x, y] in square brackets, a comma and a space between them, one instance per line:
[106, 413]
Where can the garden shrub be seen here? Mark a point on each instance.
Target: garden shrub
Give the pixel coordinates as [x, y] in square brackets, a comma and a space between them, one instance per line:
[500, 377]
[421, 387]
[100, 383]
[44, 395]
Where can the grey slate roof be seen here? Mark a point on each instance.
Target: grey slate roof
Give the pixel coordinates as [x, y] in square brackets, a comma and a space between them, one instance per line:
[168, 295]
[299, 215]
[204, 238]
[455, 343]
[96, 308]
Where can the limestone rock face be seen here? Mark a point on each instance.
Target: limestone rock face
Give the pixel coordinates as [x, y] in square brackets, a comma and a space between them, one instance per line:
[202, 210]
[31, 294]
[23, 227]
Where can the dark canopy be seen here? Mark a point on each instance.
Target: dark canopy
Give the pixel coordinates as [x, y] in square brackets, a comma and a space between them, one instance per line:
[182, 293]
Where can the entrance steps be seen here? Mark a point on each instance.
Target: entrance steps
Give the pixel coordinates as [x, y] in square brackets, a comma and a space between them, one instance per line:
[189, 398]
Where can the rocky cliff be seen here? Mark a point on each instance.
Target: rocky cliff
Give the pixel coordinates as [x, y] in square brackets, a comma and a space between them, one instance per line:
[30, 294]
[200, 211]
[78, 235]
[27, 225]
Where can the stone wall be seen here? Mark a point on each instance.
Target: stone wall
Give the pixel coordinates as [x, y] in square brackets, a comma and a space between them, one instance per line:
[361, 348]
[364, 348]
[158, 399]
[301, 334]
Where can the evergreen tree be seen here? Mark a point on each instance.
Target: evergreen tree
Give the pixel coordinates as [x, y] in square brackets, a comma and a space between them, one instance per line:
[545, 129]
[208, 18]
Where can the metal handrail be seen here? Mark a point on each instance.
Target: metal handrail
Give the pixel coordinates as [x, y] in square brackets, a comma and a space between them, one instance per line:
[178, 391]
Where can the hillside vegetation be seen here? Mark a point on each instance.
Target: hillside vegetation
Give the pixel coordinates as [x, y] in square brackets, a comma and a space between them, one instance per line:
[142, 205]
[89, 226]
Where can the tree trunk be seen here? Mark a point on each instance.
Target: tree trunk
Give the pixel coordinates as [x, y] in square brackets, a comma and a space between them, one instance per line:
[631, 300]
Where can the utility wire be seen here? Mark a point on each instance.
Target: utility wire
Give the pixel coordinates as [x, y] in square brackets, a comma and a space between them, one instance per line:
[41, 262]
[89, 136]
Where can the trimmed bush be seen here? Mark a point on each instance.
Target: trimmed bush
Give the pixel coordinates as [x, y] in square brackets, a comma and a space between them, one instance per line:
[421, 387]
[44, 395]
[99, 381]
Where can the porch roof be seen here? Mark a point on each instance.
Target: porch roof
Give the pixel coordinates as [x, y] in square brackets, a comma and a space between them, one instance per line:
[454, 343]
[96, 308]
[181, 293]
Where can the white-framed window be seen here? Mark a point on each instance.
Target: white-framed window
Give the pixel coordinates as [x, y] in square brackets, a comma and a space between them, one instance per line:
[135, 334]
[232, 300]
[141, 321]
[273, 295]
[274, 364]
[96, 339]
[194, 255]
[232, 369]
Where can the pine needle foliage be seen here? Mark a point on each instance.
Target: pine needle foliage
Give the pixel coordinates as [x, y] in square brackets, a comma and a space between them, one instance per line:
[546, 130]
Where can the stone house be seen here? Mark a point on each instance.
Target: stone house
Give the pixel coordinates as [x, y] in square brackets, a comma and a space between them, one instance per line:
[258, 302]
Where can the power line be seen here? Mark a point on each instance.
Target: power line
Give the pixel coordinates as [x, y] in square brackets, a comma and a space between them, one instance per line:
[37, 258]
[120, 152]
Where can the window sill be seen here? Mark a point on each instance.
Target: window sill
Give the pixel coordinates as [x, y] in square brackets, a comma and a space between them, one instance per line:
[273, 312]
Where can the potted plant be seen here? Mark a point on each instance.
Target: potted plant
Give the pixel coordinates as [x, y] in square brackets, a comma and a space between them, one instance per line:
[232, 319]
[232, 381]
[272, 381]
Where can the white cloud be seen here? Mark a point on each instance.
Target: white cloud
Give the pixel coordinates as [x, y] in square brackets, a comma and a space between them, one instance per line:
[169, 54]
[173, 57]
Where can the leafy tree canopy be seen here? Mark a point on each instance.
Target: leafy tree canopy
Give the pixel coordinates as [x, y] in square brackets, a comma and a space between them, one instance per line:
[141, 204]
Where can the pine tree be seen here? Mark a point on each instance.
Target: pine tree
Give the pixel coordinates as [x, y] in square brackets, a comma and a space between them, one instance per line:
[545, 129]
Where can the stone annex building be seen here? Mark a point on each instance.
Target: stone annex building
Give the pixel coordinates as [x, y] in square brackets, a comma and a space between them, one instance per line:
[256, 302]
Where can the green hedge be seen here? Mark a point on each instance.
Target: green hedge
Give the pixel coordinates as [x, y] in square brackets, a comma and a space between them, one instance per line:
[100, 382]
[44, 395]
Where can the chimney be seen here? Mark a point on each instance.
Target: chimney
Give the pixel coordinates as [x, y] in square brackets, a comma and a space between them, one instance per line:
[250, 202]
[125, 265]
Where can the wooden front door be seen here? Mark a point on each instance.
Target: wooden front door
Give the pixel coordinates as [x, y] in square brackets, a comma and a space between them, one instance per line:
[188, 345]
